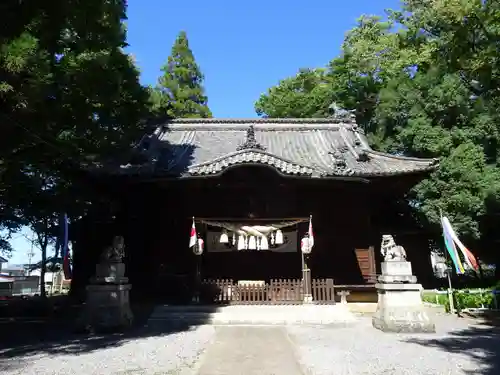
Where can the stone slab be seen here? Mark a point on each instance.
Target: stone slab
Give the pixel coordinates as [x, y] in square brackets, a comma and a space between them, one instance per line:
[250, 351]
[400, 287]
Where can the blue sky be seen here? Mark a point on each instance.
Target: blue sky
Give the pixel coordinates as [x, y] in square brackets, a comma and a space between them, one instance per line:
[242, 47]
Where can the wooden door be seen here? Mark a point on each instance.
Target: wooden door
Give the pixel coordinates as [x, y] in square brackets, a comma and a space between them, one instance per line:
[366, 262]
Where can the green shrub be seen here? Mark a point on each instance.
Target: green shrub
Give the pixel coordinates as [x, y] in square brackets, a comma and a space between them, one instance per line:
[477, 300]
[462, 299]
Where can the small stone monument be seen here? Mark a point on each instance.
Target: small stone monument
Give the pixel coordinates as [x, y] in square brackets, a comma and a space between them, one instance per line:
[400, 307]
[107, 304]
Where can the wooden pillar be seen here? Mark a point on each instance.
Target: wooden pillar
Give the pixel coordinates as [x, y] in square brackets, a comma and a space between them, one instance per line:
[197, 287]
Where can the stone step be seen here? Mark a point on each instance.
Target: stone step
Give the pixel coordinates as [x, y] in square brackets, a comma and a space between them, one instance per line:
[260, 315]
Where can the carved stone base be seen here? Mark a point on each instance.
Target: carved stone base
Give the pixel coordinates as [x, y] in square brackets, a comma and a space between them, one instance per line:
[107, 308]
[400, 309]
[110, 269]
[396, 268]
[396, 272]
[388, 279]
[110, 273]
[103, 280]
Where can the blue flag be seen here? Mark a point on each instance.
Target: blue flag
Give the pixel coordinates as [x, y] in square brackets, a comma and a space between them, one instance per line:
[62, 242]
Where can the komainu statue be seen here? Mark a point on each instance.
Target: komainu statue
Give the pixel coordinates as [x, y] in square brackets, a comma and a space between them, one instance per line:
[115, 252]
[391, 251]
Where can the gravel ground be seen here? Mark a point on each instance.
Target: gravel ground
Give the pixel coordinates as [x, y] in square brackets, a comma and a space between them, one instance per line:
[175, 353]
[460, 346]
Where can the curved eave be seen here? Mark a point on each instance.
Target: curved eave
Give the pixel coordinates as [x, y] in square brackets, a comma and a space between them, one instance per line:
[399, 165]
[377, 164]
[253, 157]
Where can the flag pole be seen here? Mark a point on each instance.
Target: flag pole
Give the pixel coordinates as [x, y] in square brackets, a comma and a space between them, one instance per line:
[450, 290]
[198, 269]
[448, 273]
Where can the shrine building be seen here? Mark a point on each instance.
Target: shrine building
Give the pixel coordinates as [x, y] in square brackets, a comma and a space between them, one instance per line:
[253, 187]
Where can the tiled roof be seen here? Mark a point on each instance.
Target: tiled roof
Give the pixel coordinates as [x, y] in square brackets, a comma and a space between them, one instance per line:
[307, 147]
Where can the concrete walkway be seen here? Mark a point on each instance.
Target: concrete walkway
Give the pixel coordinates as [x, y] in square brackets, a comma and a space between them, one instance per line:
[240, 350]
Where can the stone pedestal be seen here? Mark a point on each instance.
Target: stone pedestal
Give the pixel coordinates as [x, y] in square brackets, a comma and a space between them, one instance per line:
[400, 307]
[107, 305]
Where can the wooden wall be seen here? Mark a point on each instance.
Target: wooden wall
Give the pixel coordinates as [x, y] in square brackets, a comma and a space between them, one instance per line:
[341, 221]
[155, 219]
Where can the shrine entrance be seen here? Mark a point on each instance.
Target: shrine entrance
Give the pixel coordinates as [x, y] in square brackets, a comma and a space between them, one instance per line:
[257, 261]
[252, 169]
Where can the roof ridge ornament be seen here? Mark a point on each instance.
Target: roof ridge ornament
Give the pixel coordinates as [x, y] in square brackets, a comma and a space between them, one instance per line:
[250, 142]
[342, 114]
[338, 155]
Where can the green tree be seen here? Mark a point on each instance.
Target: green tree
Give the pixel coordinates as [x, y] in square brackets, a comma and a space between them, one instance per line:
[450, 109]
[308, 94]
[180, 92]
[424, 83]
[70, 98]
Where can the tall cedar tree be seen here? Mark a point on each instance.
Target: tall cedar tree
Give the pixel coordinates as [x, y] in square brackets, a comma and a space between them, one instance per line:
[180, 92]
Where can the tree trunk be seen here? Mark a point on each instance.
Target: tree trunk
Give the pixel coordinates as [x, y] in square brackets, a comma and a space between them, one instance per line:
[43, 239]
[44, 266]
[497, 267]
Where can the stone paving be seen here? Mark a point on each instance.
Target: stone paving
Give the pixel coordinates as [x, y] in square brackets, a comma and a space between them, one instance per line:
[250, 351]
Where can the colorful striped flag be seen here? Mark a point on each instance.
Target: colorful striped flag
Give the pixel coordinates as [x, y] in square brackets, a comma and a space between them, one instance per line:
[451, 242]
[469, 258]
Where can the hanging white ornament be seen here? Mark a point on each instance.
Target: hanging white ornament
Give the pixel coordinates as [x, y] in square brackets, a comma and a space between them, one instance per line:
[241, 242]
[224, 238]
[272, 239]
[264, 245]
[305, 245]
[252, 243]
[234, 239]
[279, 237]
[198, 247]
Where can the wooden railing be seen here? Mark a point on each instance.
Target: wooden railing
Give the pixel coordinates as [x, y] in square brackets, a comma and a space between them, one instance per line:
[277, 291]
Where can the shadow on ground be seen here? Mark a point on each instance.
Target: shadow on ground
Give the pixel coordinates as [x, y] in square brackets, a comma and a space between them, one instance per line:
[481, 343]
[56, 333]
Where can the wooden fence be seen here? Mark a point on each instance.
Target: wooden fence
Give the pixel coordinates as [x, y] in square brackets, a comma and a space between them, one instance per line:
[275, 292]
[323, 291]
